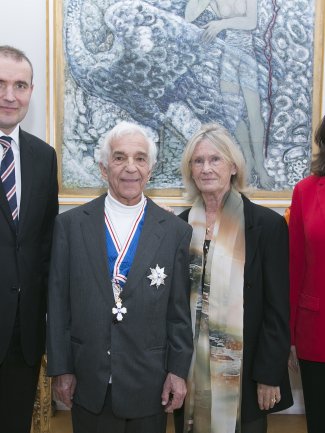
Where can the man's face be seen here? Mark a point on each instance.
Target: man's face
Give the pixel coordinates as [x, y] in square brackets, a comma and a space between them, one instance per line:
[128, 169]
[15, 92]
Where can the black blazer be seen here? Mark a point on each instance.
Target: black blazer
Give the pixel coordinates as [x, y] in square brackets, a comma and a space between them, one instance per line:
[154, 337]
[266, 308]
[24, 256]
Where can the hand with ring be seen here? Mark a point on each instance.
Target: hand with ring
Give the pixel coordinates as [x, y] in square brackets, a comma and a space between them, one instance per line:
[267, 396]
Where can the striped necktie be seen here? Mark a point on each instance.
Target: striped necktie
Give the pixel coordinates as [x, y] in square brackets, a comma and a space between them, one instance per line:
[8, 178]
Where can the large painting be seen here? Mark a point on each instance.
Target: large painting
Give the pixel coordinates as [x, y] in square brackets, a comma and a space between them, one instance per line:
[172, 65]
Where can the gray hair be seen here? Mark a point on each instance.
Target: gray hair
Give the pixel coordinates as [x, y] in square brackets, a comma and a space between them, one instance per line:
[15, 54]
[121, 129]
[225, 144]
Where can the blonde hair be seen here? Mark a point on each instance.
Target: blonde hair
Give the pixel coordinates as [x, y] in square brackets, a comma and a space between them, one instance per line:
[225, 144]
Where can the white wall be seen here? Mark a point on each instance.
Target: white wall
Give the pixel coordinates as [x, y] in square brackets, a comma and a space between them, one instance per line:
[23, 25]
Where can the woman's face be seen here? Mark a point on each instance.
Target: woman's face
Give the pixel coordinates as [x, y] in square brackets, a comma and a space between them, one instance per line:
[210, 171]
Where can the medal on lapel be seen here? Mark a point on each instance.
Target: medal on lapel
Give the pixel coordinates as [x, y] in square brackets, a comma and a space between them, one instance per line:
[157, 276]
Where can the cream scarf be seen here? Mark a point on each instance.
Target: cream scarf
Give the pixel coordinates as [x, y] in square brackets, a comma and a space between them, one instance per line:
[214, 385]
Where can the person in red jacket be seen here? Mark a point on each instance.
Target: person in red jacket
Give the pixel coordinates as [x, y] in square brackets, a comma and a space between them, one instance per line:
[307, 292]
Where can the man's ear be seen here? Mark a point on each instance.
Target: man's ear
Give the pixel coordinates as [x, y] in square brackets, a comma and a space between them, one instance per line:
[103, 171]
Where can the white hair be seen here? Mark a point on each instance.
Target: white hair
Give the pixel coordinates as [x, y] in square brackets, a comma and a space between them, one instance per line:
[121, 129]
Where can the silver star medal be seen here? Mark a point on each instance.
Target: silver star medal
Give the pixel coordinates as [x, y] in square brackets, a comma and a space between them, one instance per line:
[157, 276]
[119, 310]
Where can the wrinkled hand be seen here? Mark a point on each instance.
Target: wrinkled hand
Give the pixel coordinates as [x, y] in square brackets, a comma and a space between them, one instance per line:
[293, 363]
[267, 396]
[63, 387]
[174, 392]
[212, 29]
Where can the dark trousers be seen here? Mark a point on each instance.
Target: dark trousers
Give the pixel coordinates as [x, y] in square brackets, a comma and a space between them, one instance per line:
[257, 426]
[313, 385]
[84, 421]
[18, 383]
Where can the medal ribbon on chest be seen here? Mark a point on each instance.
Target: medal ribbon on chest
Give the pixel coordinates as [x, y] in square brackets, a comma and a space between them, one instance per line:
[120, 257]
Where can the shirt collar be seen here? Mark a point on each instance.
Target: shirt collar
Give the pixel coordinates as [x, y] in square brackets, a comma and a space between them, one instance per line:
[14, 135]
[114, 204]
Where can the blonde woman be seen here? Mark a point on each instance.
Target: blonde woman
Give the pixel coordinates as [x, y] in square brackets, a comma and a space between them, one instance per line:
[239, 295]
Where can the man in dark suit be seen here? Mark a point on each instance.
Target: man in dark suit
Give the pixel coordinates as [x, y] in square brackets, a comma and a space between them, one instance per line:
[28, 206]
[119, 328]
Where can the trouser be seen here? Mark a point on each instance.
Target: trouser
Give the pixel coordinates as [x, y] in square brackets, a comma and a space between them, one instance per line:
[18, 383]
[313, 385]
[257, 426]
[84, 421]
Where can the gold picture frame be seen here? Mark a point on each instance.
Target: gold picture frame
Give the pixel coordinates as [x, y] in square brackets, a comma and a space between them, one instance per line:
[171, 196]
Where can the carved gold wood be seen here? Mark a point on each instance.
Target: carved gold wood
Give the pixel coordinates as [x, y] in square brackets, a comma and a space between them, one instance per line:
[42, 405]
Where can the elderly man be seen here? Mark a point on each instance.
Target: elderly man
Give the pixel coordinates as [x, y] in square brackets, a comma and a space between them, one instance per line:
[28, 206]
[119, 332]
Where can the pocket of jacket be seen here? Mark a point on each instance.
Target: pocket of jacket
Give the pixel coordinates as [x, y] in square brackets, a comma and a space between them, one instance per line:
[309, 302]
[156, 349]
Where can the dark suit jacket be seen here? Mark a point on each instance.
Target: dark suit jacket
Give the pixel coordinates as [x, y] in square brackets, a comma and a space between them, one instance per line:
[155, 335]
[24, 256]
[266, 307]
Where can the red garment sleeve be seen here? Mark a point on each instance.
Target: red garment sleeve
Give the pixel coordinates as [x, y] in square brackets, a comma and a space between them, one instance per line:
[297, 256]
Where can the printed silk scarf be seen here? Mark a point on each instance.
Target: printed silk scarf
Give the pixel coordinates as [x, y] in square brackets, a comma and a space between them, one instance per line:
[214, 385]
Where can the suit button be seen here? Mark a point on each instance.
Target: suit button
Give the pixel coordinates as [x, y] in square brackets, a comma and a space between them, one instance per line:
[17, 247]
[15, 289]
[108, 353]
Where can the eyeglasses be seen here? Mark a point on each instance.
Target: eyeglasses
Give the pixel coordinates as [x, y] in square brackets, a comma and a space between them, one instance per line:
[138, 160]
[213, 161]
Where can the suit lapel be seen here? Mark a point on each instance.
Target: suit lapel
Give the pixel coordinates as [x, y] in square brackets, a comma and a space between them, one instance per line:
[321, 195]
[27, 175]
[93, 231]
[149, 243]
[252, 234]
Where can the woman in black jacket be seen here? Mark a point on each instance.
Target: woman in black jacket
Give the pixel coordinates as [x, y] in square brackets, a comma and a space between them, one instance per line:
[239, 295]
